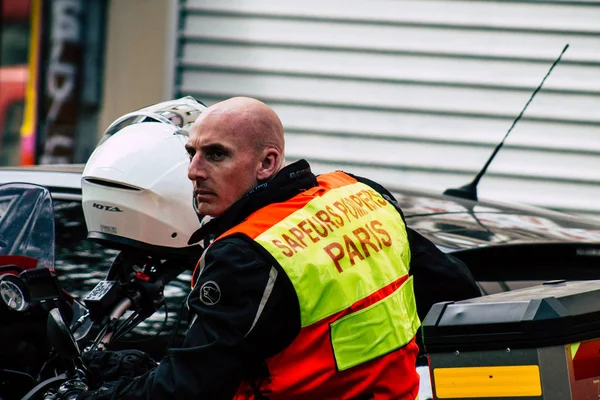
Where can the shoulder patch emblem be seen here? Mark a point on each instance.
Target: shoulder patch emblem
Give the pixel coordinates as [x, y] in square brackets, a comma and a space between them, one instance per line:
[210, 293]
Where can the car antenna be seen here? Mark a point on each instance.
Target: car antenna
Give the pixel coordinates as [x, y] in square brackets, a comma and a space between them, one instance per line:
[469, 191]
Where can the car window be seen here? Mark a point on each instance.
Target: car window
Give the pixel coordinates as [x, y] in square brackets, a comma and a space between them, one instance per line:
[82, 263]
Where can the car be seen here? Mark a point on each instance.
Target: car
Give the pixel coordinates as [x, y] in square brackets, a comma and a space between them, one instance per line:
[506, 246]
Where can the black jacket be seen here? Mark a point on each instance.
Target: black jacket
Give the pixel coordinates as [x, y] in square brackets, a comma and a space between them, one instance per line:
[244, 313]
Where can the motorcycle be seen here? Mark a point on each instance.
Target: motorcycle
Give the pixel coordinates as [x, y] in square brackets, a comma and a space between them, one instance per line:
[44, 328]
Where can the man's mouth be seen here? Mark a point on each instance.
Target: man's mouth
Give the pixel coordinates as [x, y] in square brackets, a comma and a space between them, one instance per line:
[203, 193]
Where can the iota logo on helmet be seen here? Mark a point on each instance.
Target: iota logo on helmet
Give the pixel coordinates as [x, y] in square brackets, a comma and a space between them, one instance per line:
[106, 208]
[210, 293]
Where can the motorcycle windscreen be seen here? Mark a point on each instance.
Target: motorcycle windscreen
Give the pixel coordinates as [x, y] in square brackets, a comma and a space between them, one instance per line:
[26, 225]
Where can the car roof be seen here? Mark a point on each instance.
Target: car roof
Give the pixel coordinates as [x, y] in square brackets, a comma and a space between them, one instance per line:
[506, 242]
[453, 224]
[456, 224]
[63, 180]
[75, 168]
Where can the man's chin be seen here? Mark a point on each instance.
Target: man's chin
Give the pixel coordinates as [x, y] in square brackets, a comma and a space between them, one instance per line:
[209, 209]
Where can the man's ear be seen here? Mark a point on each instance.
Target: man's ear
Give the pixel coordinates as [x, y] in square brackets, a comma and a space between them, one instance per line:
[269, 165]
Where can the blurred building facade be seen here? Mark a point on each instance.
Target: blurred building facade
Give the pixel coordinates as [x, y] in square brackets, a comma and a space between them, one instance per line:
[14, 72]
[70, 67]
[414, 93]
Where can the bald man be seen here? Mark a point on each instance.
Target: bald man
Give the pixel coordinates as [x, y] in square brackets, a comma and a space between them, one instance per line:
[305, 292]
[235, 146]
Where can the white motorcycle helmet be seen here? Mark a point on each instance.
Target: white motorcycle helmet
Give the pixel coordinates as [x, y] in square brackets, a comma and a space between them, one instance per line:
[136, 194]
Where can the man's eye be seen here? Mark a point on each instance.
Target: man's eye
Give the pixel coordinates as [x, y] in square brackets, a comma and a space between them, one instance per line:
[216, 155]
[191, 153]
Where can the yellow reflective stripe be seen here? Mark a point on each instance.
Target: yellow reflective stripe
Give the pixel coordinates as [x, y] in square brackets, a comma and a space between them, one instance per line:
[339, 248]
[574, 348]
[376, 330]
[491, 381]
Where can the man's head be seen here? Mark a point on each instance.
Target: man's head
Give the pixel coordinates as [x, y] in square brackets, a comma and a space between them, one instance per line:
[234, 146]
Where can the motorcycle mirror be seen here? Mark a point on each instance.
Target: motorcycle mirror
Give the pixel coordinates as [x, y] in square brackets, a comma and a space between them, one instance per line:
[60, 336]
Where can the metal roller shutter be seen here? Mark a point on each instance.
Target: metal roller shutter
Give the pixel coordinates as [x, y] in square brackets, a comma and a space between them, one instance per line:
[415, 93]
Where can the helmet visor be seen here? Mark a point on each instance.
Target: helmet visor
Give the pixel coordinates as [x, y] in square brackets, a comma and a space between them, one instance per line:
[180, 113]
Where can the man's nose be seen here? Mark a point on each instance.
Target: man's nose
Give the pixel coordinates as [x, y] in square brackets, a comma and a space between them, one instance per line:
[195, 170]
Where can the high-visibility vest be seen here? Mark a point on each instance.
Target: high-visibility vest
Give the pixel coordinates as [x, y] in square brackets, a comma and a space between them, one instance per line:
[346, 252]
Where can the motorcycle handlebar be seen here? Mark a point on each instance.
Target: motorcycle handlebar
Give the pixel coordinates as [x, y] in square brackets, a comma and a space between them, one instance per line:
[108, 302]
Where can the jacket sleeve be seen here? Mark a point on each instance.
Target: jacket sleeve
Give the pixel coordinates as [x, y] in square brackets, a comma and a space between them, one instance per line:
[245, 311]
[437, 276]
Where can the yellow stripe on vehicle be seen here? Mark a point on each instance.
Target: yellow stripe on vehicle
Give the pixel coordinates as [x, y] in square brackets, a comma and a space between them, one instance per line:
[376, 330]
[338, 248]
[490, 381]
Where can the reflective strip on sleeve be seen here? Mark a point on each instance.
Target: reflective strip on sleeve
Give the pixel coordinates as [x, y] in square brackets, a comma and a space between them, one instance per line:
[376, 330]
